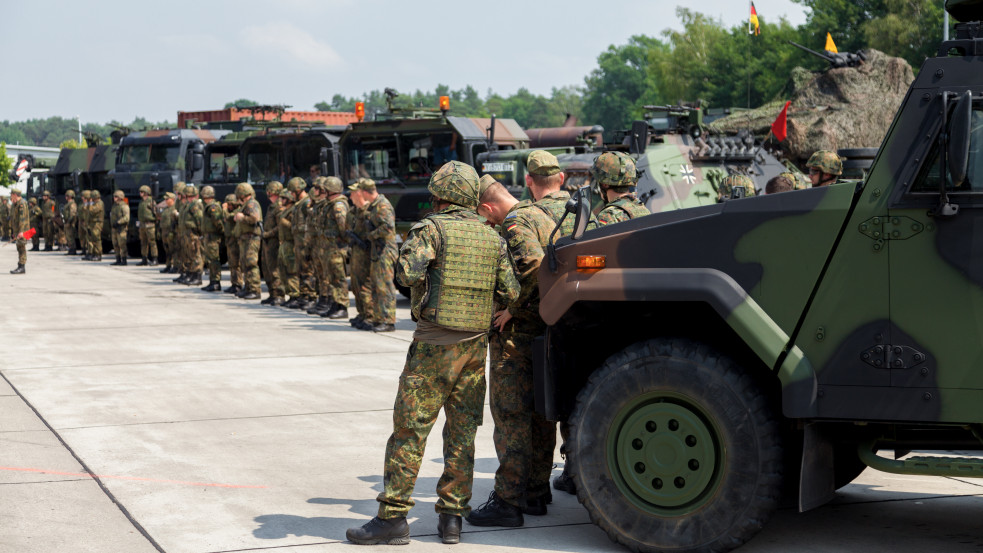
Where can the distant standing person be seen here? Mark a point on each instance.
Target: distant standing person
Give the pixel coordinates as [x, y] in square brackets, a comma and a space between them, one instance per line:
[380, 223]
[36, 223]
[97, 214]
[119, 220]
[4, 218]
[71, 215]
[19, 224]
[213, 227]
[147, 221]
[271, 246]
[250, 222]
[48, 207]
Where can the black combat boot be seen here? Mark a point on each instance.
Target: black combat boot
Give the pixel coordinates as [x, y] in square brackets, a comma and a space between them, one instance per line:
[123, 259]
[337, 311]
[34, 249]
[234, 289]
[383, 327]
[47, 247]
[117, 262]
[251, 295]
[143, 262]
[449, 528]
[390, 531]
[165, 270]
[19, 270]
[277, 301]
[564, 482]
[269, 299]
[305, 303]
[153, 261]
[356, 320]
[312, 310]
[174, 269]
[180, 280]
[71, 252]
[241, 292]
[292, 303]
[194, 279]
[97, 257]
[212, 287]
[496, 512]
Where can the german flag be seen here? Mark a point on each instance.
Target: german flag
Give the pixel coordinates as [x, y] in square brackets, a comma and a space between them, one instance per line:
[753, 27]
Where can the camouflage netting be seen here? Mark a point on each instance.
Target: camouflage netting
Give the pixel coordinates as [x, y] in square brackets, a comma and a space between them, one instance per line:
[849, 107]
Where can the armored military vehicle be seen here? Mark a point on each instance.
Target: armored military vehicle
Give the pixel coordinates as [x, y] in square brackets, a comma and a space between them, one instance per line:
[709, 360]
[161, 158]
[281, 154]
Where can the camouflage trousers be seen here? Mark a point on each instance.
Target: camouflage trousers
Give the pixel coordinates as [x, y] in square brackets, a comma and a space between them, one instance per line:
[191, 250]
[317, 254]
[212, 249]
[119, 241]
[95, 239]
[305, 270]
[36, 239]
[360, 280]
[381, 273]
[170, 251]
[148, 239]
[249, 245]
[70, 236]
[235, 265]
[451, 378]
[271, 269]
[287, 262]
[49, 233]
[334, 271]
[524, 439]
[21, 251]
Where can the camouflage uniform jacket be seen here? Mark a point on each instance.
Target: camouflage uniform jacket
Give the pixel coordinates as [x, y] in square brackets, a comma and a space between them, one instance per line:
[4, 213]
[168, 223]
[252, 218]
[315, 222]
[555, 204]
[298, 220]
[380, 226]
[335, 222]
[420, 251]
[270, 223]
[70, 213]
[193, 214]
[284, 224]
[19, 217]
[36, 217]
[213, 220]
[230, 223]
[624, 208]
[48, 210]
[97, 213]
[119, 215]
[356, 224]
[145, 211]
[526, 229]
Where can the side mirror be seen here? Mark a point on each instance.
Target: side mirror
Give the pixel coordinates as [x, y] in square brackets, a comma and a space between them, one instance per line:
[957, 148]
[581, 210]
[639, 137]
[198, 161]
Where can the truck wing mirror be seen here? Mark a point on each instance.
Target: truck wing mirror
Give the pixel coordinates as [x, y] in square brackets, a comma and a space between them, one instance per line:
[581, 209]
[198, 161]
[957, 149]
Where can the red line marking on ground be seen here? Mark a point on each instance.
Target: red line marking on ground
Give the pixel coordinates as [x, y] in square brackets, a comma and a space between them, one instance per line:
[138, 479]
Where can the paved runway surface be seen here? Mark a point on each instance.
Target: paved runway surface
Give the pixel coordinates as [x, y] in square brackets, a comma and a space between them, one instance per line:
[137, 415]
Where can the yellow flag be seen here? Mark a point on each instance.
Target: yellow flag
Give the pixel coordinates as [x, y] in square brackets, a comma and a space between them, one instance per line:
[830, 46]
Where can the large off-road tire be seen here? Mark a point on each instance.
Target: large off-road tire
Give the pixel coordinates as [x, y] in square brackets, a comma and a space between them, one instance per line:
[675, 448]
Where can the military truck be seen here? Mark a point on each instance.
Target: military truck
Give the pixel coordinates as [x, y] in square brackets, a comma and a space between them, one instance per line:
[161, 158]
[281, 154]
[712, 361]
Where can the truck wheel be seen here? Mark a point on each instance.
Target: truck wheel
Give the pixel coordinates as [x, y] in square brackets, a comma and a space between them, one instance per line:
[675, 448]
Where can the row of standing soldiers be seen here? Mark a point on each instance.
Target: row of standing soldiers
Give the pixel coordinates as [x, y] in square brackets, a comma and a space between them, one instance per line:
[299, 247]
[65, 226]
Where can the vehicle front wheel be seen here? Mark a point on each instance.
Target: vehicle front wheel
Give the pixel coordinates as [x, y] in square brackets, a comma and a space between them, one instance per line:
[674, 447]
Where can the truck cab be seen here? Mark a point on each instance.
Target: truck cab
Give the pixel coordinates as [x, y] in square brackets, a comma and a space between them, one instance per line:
[715, 360]
[281, 154]
[161, 158]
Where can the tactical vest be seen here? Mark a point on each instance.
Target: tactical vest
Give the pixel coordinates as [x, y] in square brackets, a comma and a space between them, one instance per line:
[630, 205]
[145, 212]
[331, 229]
[461, 281]
[208, 224]
[244, 227]
[555, 205]
[283, 225]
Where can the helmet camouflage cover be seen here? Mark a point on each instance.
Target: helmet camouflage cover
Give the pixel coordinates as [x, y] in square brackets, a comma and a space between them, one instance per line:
[179, 188]
[190, 190]
[32, 201]
[826, 161]
[456, 183]
[333, 185]
[296, 184]
[231, 199]
[146, 189]
[274, 188]
[244, 189]
[70, 194]
[730, 182]
[207, 192]
[615, 169]
[119, 194]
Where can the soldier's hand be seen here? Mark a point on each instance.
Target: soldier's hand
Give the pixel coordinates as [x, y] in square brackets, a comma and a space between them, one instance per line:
[501, 318]
[238, 217]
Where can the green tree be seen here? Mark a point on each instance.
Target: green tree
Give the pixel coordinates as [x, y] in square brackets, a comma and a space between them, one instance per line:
[73, 144]
[622, 83]
[843, 19]
[6, 166]
[911, 29]
[241, 103]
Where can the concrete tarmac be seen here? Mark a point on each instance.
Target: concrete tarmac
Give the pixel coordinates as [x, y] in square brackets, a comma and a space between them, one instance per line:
[142, 416]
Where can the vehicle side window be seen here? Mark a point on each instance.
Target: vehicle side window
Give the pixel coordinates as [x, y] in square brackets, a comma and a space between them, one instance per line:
[928, 177]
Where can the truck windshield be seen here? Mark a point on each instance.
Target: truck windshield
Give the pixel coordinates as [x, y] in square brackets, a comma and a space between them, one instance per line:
[223, 166]
[265, 164]
[391, 159]
[149, 156]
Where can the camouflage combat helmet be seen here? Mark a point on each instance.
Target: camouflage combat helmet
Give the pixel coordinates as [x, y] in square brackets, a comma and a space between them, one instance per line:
[190, 190]
[15, 191]
[207, 192]
[456, 183]
[70, 195]
[826, 161]
[318, 183]
[85, 194]
[244, 189]
[274, 188]
[145, 189]
[32, 201]
[231, 199]
[46, 193]
[614, 169]
[179, 188]
[332, 185]
[119, 194]
[794, 179]
[730, 182]
[296, 184]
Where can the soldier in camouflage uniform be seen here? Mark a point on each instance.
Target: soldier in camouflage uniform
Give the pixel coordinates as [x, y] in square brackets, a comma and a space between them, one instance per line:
[147, 223]
[168, 232]
[287, 261]
[48, 207]
[119, 220]
[799, 182]
[271, 245]
[70, 216]
[4, 218]
[458, 270]
[213, 227]
[545, 182]
[614, 178]
[180, 232]
[36, 224]
[19, 224]
[249, 221]
[380, 226]
[824, 167]
[725, 190]
[191, 222]
[230, 208]
[315, 245]
[360, 262]
[298, 224]
[83, 229]
[335, 226]
[97, 217]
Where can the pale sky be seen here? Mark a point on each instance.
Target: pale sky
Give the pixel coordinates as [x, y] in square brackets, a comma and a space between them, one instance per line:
[107, 60]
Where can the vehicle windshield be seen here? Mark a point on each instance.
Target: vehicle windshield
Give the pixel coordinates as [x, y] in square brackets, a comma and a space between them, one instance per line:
[149, 156]
[265, 163]
[394, 159]
[284, 159]
[223, 166]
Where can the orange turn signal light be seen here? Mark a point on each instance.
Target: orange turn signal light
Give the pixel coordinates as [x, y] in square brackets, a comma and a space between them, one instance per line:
[591, 261]
[445, 103]
[360, 110]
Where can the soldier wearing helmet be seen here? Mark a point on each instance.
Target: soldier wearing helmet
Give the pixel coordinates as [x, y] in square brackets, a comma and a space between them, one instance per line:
[119, 222]
[286, 260]
[83, 224]
[271, 246]
[457, 269]
[147, 227]
[249, 227]
[48, 206]
[69, 214]
[19, 224]
[190, 221]
[299, 216]
[380, 237]
[335, 228]
[725, 190]
[212, 227]
[824, 168]
[230, 207]
[614, 179]
[316, 245]
[168, 231]
[37, 223]
[97, 217]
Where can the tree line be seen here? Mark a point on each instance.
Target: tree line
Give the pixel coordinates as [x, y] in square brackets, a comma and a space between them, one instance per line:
[707, 60]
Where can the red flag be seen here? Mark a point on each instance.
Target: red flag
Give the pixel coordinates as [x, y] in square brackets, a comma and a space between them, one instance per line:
[28, 234]
[780, 128]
